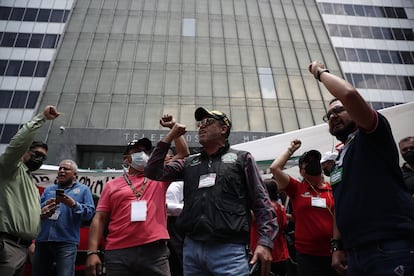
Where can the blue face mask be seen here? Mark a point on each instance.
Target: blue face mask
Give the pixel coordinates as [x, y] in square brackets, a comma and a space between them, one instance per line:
[139, 160]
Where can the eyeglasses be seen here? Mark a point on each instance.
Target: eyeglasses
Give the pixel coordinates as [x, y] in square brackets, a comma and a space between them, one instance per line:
[334, 111]
[39, 155]
[65, 169]
[206, 122]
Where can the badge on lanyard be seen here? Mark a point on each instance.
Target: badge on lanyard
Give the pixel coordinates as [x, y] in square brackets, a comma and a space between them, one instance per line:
[336, 176]
[207, 180]
[55, 215]
[318, 202]
[139, 210]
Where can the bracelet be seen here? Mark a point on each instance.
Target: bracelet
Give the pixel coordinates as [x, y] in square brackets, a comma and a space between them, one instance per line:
[336, 245]
[97, 252]
[320, 72]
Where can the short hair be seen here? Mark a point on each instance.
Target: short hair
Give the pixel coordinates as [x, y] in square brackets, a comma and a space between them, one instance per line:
[271, 186]
[72, 163]
[36, 144]
[406, 139]
[333, 100]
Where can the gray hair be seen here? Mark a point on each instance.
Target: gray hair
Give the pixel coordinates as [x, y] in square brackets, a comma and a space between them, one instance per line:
[72, 163]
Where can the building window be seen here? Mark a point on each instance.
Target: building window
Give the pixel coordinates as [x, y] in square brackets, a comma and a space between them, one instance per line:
[12, 68]
[18, 99]
[267, 85]
[189, 27]
[7, 132]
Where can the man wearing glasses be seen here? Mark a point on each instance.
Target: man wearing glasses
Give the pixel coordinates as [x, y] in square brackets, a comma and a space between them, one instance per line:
[221, 187]
[19, 197]
[374, 233]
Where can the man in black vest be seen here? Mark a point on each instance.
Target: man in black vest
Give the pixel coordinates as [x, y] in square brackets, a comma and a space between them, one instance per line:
[221, 188]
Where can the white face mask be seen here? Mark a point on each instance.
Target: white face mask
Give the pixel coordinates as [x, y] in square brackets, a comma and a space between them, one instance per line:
[139, 160]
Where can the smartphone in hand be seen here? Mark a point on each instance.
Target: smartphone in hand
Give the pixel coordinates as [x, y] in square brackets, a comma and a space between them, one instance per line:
[60, 193]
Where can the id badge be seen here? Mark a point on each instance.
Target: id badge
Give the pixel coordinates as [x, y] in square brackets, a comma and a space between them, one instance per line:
[55, 215]
[336, 176]
[318, 202]
[139, 210]
[207, 180]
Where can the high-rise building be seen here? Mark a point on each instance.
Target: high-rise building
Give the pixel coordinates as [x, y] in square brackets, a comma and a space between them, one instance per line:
[29, 34]
[122, 64]
[374, 43]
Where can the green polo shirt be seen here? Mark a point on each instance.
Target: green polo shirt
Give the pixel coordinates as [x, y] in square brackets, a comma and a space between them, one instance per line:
[19, 196]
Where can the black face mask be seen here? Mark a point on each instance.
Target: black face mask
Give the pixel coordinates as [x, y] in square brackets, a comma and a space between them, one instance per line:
[313, 168]
[34, 163]
[327, 171]
[409, 157]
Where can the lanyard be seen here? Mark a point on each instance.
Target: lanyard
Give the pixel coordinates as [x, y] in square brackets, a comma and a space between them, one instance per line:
[137, 195]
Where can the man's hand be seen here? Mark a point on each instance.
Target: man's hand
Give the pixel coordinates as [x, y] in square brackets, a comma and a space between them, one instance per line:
[49, 209]
[176, 131]
[264, 255]
[339, 262]
[93, 265]
[167, 121]
[65, 199]
[50, 112]
[314, 67]
[295, 145]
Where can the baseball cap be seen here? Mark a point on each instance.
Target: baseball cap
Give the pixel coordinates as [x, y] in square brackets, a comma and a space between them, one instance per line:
[329, 155]
[308, 156]
[145, 142]
[202, 113]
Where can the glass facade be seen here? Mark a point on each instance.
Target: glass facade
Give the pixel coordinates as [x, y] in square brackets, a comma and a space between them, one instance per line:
[375, 46]
[123, 64]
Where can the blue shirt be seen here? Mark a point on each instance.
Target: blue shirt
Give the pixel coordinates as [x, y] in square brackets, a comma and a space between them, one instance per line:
[66, 228]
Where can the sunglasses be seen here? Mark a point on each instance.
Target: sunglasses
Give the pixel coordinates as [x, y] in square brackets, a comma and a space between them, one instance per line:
[206, 122]
[39, 155]
[334, 111]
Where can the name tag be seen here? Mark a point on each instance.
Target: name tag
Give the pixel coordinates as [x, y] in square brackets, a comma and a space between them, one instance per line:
[207, 180]
[55, 215]
[318, 202]
[139, 210]
[336, 176]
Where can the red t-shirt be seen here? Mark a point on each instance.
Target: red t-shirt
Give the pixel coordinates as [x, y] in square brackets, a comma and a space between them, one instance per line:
[313, 210]
[280, 250]
[116, 199]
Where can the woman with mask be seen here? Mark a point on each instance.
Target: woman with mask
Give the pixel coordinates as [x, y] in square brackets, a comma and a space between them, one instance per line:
[313, 208]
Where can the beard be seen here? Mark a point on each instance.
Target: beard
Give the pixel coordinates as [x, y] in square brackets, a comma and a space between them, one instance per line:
[342, 134]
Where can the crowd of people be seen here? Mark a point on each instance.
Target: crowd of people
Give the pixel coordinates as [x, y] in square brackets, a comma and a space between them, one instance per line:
[211, 213]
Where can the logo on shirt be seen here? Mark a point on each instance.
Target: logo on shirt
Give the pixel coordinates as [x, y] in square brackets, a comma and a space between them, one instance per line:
[229, 157]
[76, 191]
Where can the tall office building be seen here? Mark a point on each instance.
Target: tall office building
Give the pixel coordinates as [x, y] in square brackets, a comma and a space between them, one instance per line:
[374, 43]
[30, 31]
[122, 64]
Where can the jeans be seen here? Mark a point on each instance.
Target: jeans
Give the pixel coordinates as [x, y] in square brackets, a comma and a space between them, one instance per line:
[145, 260]
[48, 253]
[214, 258]
[389, 257]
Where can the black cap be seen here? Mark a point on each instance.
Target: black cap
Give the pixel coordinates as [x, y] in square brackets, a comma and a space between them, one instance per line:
[144, 142]
[202, 113]
[310, 155]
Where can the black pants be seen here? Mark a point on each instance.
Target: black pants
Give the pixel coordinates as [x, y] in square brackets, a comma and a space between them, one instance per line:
[309, 265]
[175, 244]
